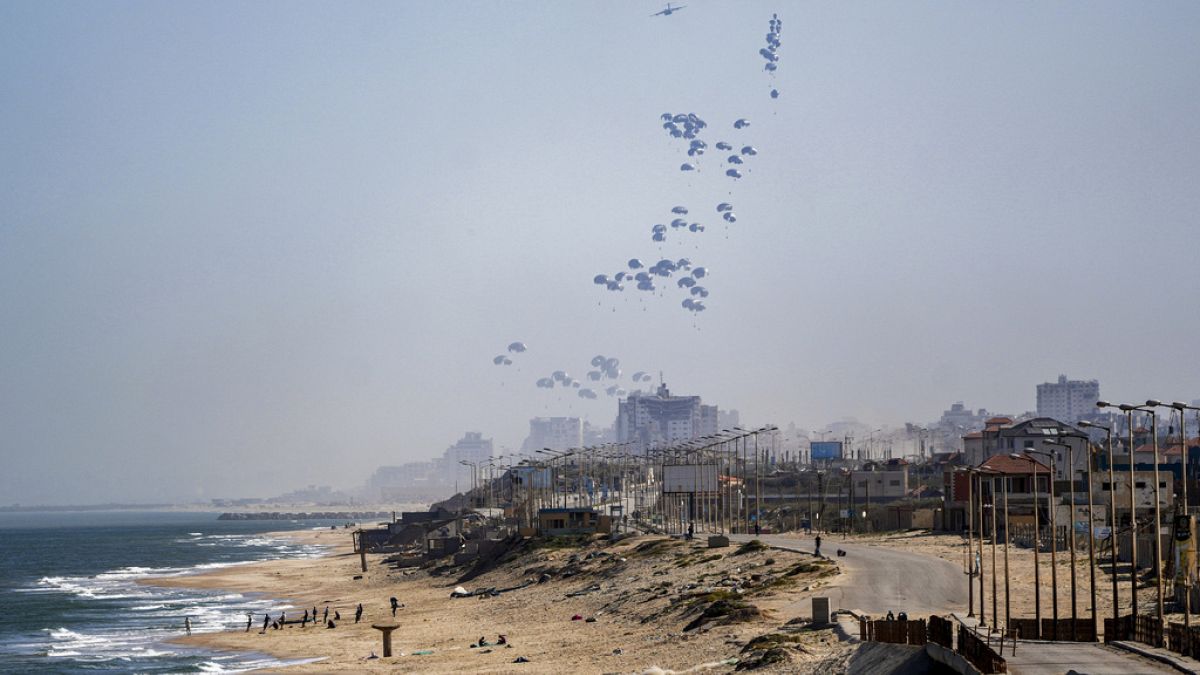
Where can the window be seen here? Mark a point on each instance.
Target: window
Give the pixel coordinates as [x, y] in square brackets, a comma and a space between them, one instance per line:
[894, 483]
[1141, 484]
[1107, 486]
[1028, 445]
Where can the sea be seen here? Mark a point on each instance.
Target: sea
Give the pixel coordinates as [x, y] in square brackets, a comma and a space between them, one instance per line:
[70, 601]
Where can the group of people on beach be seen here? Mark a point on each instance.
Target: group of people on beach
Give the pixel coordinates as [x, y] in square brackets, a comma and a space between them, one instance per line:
[281, 622]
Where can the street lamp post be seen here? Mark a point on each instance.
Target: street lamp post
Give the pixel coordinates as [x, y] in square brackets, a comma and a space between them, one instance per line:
[1187, 573]
[1007, 606]
[1112, 532]
[1053, 540]
[1071, 528]
[970, 544]
[1133, 548]
[1158, 571]
[992, 498]
[1037, 547]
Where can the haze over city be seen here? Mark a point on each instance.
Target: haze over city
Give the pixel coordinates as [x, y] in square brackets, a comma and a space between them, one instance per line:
[247, 248]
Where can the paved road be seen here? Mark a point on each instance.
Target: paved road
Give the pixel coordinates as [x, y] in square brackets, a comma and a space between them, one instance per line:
[877, 579]
[1095, 659]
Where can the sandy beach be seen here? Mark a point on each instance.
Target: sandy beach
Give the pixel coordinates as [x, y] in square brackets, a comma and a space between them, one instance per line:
[640, 594]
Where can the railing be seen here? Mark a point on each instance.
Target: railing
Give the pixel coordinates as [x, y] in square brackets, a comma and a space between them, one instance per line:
[1084, 631]
[1120, 628]
[941, 631]
[896, 632]
[1183, 640]
[1148, 629]
[975, 650]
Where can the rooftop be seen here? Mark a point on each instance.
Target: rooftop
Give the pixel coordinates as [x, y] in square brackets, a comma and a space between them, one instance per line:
[1007, 464]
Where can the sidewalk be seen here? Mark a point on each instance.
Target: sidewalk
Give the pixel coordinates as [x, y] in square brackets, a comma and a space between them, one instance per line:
[1183, 664]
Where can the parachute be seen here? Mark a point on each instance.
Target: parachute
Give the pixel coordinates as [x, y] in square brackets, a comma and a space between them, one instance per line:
[516, 347]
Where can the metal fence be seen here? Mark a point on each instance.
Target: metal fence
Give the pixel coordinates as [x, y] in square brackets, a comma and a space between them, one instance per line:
[896, 632]
[1022, 535]
[1065, 630]
[977, 651]
[941, 631]
[938, 630]
[1183, 640]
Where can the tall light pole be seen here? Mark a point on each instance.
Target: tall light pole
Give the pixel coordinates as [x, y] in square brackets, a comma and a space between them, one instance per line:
[1053, 540]
[1187, 574]
[1112, 510]
[1133, 548]
[970, 543]
[1151, 406]
[1007, 605]
[992, 498]
[1074, 593]
[1037, 549]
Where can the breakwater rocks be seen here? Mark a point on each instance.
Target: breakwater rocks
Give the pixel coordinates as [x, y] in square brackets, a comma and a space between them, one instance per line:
[306, 515]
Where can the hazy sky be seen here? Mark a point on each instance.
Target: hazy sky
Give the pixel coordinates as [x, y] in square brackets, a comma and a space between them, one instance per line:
[248, 246]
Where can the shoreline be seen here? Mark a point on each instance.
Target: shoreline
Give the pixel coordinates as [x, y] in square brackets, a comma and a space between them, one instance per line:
[253, 577]
[630, 628]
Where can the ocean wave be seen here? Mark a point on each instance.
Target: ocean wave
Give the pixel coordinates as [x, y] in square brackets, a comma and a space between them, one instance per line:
[118, 622]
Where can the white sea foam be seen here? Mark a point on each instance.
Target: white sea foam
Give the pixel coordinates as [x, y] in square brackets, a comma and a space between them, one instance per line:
[132, 622]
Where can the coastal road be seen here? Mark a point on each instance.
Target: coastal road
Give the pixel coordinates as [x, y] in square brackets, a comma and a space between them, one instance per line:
[876, 579]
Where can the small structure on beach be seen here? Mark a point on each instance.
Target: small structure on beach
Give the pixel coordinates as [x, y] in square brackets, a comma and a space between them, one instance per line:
[573, 520]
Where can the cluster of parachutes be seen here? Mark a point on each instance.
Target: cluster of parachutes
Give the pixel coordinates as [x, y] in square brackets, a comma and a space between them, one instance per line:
[737, 159]
[688, 127]
[603, 368]
[658, 233]
[771, 51]
[513, 348]
[734, 162]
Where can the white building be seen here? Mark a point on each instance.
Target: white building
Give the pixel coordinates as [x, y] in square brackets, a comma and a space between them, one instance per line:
[1068, 400]
[472, 448]
[652, 419]
[556, 433]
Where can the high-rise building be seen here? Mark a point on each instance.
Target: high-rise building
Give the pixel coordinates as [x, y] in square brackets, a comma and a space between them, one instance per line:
[472, 448]
[1067, 400]
[556, 433]
[651, 419]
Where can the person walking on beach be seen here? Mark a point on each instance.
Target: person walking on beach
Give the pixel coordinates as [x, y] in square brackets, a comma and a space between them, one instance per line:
[818, 542]
[395, 606]
[266, 622]
[358, 613]
[304, 621]
[325, 616]
[281, 621]
[187, 625]
[249, 621]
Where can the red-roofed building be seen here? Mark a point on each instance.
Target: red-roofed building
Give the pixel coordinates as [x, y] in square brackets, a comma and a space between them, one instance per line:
[1040, 434]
